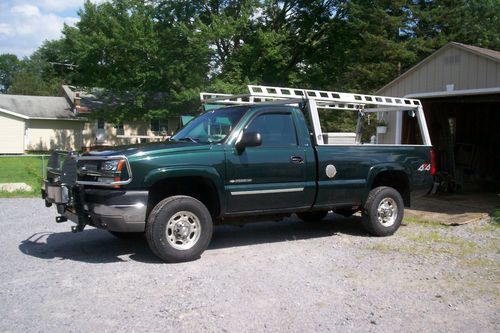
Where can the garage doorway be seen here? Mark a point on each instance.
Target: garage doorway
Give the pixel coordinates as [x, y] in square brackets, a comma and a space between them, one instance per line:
[465, 133]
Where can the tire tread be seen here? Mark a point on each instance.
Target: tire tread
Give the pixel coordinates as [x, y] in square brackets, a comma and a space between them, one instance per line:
[154, 241]
[372, 226]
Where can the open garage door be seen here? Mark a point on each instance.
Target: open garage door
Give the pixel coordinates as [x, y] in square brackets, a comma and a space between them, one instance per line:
[464, 130]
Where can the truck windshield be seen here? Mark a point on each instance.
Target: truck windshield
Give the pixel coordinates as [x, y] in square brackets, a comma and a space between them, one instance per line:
[211, 127]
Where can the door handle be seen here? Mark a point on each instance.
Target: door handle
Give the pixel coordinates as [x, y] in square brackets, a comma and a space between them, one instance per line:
[296, 159]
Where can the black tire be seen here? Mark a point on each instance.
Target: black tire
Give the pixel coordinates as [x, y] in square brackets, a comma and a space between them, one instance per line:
[386, 224]
[176, 220]
[312, 217]
[126, 235]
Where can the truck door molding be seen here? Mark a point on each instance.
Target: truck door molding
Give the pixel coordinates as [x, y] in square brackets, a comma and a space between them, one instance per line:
[276, 168]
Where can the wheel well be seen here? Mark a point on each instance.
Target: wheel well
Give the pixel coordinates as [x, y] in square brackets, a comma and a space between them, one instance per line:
[197, 187]
[398, 180]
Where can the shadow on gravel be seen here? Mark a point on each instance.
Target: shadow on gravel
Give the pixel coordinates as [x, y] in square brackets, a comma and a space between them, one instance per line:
[98, 246]
[288, 230]
[91, 246]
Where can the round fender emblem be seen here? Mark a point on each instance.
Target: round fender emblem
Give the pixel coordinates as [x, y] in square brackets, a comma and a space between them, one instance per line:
[331, 171]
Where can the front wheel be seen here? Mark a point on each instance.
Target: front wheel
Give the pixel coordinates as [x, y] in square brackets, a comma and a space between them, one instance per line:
[179, 229]
[383, 211]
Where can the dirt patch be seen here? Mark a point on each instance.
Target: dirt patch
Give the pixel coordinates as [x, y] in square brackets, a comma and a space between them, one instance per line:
[454, 209]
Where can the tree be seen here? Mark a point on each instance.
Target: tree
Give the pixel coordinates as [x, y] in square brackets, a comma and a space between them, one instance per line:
[273, 42]
[35, 76]
[9, 64]
[152, 58]
[378, 48]
[56, 53]
[436, 23]
[150, 64]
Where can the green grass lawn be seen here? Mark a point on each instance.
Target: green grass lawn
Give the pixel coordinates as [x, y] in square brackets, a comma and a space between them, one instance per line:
[20, 169]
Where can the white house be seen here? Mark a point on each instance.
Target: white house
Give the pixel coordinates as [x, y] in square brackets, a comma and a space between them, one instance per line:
[42, 123]
[38, 123]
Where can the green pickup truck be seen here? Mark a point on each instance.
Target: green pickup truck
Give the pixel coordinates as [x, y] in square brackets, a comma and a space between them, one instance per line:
[247, 158]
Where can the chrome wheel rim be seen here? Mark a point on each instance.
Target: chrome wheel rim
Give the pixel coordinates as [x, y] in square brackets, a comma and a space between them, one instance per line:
[387, 212]
[183, 230]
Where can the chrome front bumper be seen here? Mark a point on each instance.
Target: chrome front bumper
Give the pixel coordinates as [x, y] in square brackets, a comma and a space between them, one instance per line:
[114, 210]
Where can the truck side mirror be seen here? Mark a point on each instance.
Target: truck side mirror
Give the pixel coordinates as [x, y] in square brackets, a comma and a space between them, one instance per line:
[248, 139]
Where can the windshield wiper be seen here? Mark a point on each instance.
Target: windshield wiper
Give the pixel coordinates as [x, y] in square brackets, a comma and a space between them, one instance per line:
[188, 138]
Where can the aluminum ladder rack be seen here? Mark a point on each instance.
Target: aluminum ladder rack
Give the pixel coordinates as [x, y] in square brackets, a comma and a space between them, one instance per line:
[322, 99]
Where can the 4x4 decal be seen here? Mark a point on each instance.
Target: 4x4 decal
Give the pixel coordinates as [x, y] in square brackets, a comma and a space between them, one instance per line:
[425, 167]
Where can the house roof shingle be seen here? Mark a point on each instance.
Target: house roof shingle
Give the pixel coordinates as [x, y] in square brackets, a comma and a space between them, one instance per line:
[482, 51]
[37, 106]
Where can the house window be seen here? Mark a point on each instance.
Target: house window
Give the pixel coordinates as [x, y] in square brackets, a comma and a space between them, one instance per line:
[119, 129]
[159, 126]
[100, 124]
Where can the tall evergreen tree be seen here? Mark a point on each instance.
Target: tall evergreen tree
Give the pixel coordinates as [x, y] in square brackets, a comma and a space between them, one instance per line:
[436, 23]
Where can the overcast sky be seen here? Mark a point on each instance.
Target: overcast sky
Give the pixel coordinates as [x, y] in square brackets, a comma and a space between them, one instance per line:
[25, 24]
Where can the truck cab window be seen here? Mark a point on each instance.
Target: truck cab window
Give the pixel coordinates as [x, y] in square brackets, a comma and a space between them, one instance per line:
[276, 130]
[212, 126]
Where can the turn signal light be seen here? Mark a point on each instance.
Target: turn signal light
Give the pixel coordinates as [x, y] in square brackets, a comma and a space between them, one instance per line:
[119, 167]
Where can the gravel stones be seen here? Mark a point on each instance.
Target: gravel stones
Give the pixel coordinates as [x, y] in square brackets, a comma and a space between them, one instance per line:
[284, 276]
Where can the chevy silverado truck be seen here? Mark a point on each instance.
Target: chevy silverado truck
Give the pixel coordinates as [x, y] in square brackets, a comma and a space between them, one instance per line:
[259, 156]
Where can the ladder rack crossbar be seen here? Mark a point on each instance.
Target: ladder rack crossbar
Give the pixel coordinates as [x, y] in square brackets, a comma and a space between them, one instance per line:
[235, 99]
[227, 99]
[325, 96]
[324, 99]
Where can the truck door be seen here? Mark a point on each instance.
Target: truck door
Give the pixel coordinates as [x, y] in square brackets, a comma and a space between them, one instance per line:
[272, 175]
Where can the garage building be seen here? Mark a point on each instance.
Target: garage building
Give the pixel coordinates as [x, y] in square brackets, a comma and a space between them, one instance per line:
[459, 86]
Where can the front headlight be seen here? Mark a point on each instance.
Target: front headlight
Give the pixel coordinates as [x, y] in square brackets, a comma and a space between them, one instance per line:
[111, 171]
[111, 165]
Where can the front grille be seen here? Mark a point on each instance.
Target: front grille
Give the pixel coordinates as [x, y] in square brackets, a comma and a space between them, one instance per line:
[87, 170]
[69, 169]
[62, 167]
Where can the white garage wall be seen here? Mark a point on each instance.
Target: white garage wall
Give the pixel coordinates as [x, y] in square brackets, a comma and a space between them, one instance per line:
[11, 134]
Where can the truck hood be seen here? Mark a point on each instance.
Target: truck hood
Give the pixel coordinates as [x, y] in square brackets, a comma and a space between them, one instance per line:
[147, 148]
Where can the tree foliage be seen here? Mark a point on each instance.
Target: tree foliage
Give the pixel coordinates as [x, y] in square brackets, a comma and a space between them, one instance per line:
[154, 57]
[9, 64]
[35, 76]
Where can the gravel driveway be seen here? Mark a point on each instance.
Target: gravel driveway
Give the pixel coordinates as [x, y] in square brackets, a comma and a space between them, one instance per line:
[287, 276]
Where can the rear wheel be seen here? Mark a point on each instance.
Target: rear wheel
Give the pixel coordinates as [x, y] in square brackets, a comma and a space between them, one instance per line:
[179, 229]
[312, 217]
[383, 211]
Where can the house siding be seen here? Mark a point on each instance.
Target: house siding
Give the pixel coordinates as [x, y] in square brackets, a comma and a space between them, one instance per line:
[130, 128]
[453, 65]
[88, 135]
[44, 135]
[11, 134]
